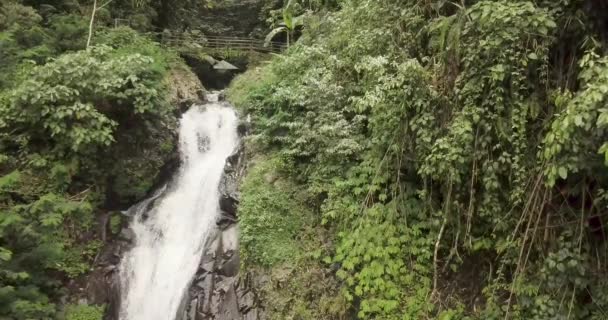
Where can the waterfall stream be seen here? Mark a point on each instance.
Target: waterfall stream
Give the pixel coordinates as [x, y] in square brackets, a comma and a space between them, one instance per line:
[171, 228]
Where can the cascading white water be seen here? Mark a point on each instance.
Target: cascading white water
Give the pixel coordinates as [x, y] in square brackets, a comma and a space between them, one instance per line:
[171, 230]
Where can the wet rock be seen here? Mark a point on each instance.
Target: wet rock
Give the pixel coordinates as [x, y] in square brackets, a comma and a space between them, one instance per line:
[127, 235]
[205, 284]
[207, 266]
[229, 205]
[102, 285]
[202, 316]
[229, 308]
[243, 128]
[110, 255]
[192, 310]
[97, 290]
[206, 288]
[110, 269]
[233, 161]
[186, 89]
[230, 268]
[246, 301]
[215, 298]
[209, 77]
[251, 315]
[229, 196]
[225, 221]
[229, 241]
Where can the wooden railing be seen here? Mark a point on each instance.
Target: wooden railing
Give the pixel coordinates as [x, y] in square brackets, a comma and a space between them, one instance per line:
[215, 42]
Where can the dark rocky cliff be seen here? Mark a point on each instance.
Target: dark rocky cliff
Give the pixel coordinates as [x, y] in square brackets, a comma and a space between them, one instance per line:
[239, 18]
[244, 18]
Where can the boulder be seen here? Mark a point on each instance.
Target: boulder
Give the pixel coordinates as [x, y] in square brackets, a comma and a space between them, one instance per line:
[229, 204]
[185, 88]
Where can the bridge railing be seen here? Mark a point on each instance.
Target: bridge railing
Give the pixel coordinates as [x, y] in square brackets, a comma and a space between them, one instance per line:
[216, 42]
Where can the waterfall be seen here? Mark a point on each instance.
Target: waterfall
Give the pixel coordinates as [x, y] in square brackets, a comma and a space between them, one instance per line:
[171, 229]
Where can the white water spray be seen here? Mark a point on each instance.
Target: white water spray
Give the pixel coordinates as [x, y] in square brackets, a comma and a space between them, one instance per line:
[171, 230]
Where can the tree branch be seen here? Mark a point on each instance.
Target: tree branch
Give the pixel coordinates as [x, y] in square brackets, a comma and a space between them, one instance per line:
[91, 24]
[105, 4]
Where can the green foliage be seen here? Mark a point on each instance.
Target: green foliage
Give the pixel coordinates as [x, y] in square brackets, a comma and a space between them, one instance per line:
[54, 95]
[115, 223]
[83, 312]
[289, 23]
[243, 84]
[271, 215]
[415, 128]
[377, 265]
[302, 290]
[68, 32]
[29, 304]
[77, 258]
[73, 130]
[578, 132]
[38, 236]
[21, 37]
[278, 235]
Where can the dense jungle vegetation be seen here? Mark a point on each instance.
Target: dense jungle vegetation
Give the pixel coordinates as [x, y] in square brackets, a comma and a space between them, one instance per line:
[87, 122]
[409, 159]
[434, 159]
[75, 125]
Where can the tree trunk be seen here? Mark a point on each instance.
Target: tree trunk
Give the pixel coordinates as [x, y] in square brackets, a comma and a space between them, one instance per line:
[91, 23]
[164, 16]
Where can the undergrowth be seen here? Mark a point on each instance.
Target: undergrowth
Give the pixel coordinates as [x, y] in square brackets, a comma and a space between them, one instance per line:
[272, 214]
[432, 137]
[282, 244]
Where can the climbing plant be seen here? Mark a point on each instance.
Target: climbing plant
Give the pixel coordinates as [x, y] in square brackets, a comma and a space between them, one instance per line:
[450, 153]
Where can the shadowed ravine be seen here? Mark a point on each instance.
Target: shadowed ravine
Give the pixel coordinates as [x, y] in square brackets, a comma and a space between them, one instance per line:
[171, 230]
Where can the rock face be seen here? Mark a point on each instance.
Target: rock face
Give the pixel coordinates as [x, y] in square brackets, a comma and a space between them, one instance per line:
[185, 88]
[203, 67]
[103, 283]
[217, 291]
[243, 18]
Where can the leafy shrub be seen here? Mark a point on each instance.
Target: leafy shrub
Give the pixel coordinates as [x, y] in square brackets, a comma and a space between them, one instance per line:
[74, 102]
[69, 32]
[21, 37]
[83, 312]
[579, 126]
[14, 14]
